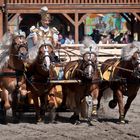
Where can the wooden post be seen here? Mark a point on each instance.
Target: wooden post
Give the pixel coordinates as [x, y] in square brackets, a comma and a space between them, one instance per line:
[132, 24]
[1, 24]
[1, 18]
[5, 16]
[76, 28]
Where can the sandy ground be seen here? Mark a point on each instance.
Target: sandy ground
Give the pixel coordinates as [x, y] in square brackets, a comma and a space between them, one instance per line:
[106, 128]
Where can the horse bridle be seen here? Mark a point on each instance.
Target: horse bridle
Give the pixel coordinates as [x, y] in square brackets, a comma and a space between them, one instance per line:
[89, 61]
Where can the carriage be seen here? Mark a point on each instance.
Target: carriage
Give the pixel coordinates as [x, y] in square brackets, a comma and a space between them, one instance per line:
[78, 77]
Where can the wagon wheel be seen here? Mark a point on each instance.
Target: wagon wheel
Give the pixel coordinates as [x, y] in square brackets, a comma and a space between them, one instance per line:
[63, 56]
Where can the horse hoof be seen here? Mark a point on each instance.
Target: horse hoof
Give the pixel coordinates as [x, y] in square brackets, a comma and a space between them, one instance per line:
[112, 104]
[122, 121]
[54, 122]
[74, 119]
[77, 122]
[39, 120]
[91, 122]
[94, 118]
[15, 120]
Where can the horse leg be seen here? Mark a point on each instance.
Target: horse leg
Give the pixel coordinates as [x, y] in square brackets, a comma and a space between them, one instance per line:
[99, 99]
[5, 98]
[94, 95]
[14, 107]
[74, 119]
[3, 118]
[64, 97]
[128, 103]
[37, 108]
[119, 96]
[52, 104]
[42, 108]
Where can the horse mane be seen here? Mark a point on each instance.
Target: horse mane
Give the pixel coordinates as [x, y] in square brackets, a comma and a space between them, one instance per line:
[128, 51]
[5, 46]
[89, 43]
[4, 57]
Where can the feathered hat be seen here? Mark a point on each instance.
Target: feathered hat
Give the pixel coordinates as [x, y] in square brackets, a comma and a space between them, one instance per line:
[44, 13]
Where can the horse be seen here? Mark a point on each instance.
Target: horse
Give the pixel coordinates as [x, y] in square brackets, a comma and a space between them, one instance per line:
[39, 72]
[122, 76]
[81, 97]
[12, 66]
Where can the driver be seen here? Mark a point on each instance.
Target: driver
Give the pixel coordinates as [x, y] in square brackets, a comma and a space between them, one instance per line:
[46, 33]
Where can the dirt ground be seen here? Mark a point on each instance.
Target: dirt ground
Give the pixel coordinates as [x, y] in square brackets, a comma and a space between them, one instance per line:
[106, 128]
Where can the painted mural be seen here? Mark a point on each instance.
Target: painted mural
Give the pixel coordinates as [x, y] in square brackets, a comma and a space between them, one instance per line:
[105, 23]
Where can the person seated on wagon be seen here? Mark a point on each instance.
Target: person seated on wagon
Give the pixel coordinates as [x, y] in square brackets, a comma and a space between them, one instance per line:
[45, 32]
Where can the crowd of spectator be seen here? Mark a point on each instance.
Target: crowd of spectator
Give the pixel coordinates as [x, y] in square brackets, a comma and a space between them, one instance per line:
[101, 38]
[111, 37]
[66, 40]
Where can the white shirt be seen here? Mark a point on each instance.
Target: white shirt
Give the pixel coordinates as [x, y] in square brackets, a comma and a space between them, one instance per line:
[68, 41]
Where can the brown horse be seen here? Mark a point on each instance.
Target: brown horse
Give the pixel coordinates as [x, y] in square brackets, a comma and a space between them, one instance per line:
[12, 80]
[82, 97]
[122, 76]
[40, 71]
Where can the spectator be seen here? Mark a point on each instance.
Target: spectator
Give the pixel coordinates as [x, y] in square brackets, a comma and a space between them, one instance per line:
[69, 40]
[61, 39]
[96, 36]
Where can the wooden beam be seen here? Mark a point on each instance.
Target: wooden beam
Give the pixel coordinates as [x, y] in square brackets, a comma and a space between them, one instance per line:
[125, 17]
[137, 16]
[82, 18]
[69, 18]
[14, 17]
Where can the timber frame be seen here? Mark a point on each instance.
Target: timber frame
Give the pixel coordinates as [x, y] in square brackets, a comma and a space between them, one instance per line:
[79, 8]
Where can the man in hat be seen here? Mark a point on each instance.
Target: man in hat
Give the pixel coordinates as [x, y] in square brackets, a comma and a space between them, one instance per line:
[45, 33]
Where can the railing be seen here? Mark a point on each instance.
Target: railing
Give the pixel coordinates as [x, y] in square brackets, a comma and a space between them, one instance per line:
[74, 1]
[106, 51]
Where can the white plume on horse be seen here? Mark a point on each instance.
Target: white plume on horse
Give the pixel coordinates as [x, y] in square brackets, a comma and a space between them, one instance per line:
[89, 44]
[128, 51]
[33, 51]
[19, 33]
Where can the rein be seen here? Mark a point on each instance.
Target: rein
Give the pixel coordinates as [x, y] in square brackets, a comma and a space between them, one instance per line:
[128, 70]
[11, 74]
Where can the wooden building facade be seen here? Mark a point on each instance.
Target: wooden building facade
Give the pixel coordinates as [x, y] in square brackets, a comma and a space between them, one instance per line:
[75, 11]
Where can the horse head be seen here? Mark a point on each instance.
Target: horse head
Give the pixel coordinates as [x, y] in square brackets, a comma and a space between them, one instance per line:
[89, 65]
[89, 54]
[43, 58]
[19, 47]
